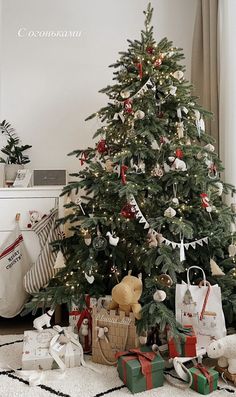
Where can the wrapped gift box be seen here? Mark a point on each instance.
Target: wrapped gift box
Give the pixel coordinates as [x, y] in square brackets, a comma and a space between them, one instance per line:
[204, 380]
[182, 345]
[141, 369]
[36, 350]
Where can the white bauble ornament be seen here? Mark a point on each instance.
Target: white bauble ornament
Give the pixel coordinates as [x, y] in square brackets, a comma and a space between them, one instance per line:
[209, 147]
[159, 296]
[175, 200]
[169, 212]
[125, 94]
[178, 74]
[209, 209]
[139, 114]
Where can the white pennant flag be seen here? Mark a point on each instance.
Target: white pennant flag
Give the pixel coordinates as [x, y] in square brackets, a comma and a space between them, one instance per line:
[193, 245]
[142, 220]
[186, 246]
[167, 242]
[173, 245]
[146, 226]
[205, 239]
[199, 242]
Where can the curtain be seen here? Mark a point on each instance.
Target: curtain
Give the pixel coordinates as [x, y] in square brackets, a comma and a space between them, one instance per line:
[205, 62]
[227, 85]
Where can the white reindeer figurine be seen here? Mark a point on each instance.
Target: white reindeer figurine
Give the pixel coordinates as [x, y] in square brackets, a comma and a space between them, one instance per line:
[45, 319]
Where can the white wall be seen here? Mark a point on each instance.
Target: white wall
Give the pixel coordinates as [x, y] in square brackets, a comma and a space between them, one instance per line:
[49, 85]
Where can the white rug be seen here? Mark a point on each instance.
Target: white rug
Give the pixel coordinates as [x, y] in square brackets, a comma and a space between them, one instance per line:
[76, 382]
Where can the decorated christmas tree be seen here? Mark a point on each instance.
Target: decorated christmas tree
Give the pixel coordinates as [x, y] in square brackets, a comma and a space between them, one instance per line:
[150, 195]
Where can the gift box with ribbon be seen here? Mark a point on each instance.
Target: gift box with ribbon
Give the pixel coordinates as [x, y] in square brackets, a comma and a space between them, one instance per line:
[140, 369]
[182, 345]
[204, 380]
[51, 349]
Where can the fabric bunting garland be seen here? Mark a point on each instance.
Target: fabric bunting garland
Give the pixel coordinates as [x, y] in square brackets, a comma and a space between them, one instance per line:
[182, 246]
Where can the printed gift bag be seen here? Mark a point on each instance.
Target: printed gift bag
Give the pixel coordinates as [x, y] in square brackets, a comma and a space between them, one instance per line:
[200, 306]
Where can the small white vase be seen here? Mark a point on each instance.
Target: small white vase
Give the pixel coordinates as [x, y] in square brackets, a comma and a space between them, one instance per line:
[11, 171]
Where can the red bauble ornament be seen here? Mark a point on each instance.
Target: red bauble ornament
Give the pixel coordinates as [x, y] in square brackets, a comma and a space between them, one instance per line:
[157, 62]
[179, 153]
[102, 146]
[128, 211]
[140, 70]
[150, 50]
[128, 105]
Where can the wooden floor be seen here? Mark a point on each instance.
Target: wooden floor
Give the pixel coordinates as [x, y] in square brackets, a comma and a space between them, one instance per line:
[15, 325]
[19, 324]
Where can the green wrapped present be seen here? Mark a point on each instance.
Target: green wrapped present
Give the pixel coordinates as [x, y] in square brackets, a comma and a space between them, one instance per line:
[140, 369]
[204, 380]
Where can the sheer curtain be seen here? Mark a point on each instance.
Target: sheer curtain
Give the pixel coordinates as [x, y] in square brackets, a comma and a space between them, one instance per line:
[227, 87]
[205, 61]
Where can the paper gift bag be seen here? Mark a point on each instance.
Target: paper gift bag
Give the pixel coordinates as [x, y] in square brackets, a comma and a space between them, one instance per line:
[201, 306]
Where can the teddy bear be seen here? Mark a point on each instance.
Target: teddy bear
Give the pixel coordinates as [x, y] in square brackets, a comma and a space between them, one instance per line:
[126, 294]
[225, 350]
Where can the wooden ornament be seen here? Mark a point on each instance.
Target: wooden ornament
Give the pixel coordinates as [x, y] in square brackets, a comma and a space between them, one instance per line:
[169, 212]
[165, 280]
[60, 261]
[215, 269]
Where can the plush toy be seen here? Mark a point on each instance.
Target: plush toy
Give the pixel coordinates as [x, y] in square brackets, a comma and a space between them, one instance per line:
[225, 350]
[35, 217]
[126, 294]
[177, 164]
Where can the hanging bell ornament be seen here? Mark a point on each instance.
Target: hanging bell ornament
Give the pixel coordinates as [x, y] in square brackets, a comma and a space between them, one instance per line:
[175, 201]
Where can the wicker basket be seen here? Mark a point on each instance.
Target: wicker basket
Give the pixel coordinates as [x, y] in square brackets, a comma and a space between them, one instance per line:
[121, 335]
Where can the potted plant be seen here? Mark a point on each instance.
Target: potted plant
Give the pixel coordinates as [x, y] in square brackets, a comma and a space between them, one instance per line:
[15, 157]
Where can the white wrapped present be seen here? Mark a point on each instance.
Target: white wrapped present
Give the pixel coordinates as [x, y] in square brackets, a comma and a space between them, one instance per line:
[51, 348]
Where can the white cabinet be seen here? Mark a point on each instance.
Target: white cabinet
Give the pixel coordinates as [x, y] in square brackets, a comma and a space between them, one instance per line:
[23, 200]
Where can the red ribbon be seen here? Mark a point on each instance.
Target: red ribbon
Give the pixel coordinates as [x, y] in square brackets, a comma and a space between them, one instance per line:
[179, 153]
[140, 70]
[124, 168]
[74, 313]
[145, 359]
[83, 158]
[207, 375]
